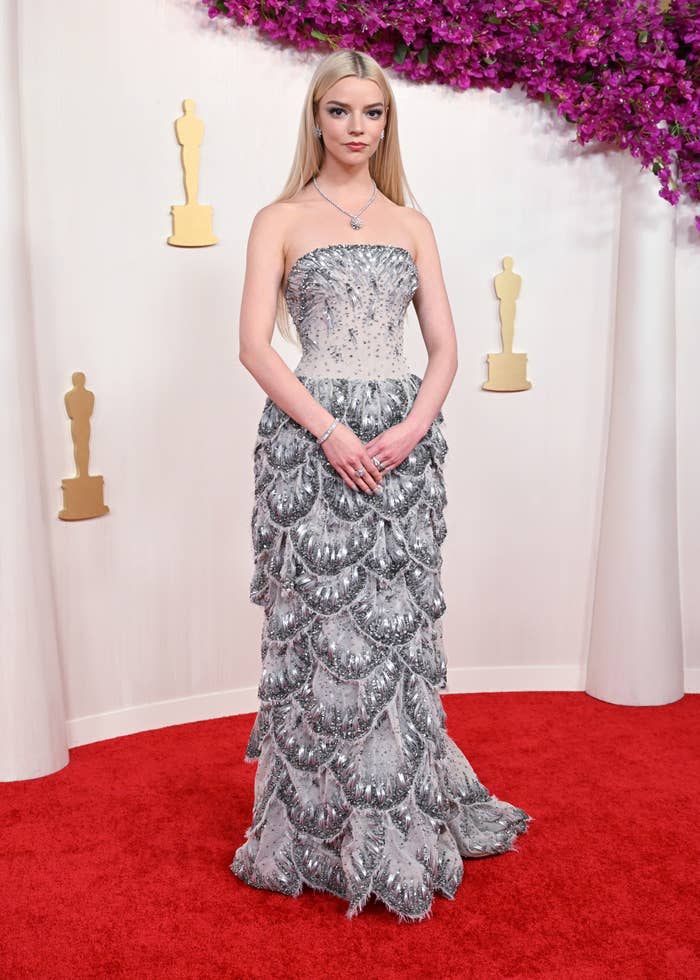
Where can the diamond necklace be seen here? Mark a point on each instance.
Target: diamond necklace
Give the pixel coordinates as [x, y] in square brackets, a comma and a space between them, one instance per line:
[354, 218]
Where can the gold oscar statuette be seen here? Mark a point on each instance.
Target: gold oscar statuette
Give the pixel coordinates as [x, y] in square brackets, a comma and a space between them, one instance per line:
[192, 222]
[507, 371]
[82, 494]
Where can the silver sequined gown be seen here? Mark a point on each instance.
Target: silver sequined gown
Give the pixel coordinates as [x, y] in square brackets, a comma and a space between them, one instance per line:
[359, 790]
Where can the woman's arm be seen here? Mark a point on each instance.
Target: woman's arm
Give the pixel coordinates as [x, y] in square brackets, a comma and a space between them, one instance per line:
[437, 327]
[263, 274]
[436, 324]
[265, 263]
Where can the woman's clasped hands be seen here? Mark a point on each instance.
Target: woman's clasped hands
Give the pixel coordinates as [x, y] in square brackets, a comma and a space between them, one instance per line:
[347, 453]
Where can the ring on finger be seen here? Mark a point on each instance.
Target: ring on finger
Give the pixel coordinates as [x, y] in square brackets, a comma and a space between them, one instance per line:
[360, 471]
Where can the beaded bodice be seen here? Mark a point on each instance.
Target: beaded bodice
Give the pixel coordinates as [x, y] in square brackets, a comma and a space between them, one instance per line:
[348, 303]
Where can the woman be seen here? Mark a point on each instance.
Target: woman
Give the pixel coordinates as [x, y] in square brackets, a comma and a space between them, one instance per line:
[359, 791]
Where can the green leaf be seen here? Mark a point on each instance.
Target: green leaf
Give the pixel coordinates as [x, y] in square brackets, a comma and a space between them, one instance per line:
[423, 56]
[319, 35]
[400, 52]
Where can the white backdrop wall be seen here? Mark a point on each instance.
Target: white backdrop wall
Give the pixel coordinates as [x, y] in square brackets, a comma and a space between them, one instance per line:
[153, 621]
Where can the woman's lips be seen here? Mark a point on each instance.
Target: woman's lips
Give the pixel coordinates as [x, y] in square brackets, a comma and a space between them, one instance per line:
[356, 146]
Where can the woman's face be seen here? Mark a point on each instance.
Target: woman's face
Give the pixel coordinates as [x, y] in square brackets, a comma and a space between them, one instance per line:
[352, 111]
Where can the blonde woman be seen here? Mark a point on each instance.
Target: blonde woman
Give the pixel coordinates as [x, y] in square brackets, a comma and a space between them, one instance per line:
[359, 790]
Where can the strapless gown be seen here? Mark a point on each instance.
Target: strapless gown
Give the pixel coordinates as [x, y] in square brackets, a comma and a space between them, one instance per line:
[359, 790]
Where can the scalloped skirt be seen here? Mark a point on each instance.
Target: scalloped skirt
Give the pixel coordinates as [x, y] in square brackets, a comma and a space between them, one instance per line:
[359, 790]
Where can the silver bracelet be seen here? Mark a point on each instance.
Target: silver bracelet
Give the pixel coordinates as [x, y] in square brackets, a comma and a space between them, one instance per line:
[328, 431]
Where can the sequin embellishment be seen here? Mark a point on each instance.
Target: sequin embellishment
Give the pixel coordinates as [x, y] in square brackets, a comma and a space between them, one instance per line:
[348, 303]
[359, 789]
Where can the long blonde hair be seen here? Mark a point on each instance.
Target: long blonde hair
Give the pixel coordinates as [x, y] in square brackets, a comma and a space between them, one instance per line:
[385, 166]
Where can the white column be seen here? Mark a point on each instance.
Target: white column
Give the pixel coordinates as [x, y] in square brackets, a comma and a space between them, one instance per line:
[636, 652]
[32, 716]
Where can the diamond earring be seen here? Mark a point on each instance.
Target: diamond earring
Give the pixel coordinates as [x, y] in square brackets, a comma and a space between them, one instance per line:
[317, 130]
[381, 135]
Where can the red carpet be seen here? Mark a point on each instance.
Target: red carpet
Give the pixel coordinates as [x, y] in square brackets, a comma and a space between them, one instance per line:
[117, 866]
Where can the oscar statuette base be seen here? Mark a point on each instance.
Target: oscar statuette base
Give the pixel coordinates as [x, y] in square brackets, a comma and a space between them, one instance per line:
[507, 372]
[83, 497]
[192, 225]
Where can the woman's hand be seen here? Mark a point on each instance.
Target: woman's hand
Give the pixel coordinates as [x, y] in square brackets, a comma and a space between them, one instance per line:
[346, 453]
[393, 445]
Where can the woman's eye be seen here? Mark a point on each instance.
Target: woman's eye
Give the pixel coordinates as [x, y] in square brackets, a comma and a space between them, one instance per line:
[375, 113]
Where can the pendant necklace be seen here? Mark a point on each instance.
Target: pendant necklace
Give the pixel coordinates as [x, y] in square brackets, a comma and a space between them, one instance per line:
[354, 218]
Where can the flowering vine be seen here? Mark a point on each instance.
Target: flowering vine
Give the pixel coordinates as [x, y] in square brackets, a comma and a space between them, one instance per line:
[623, 72]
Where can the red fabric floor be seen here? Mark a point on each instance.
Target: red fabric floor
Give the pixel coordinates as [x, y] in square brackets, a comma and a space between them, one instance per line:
[117, 866]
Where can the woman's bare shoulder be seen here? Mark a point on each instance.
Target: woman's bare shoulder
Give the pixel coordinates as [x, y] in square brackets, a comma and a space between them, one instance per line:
[270, 223]
[416, 226]
[414, 218]
[275, 213]
[274, 219]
